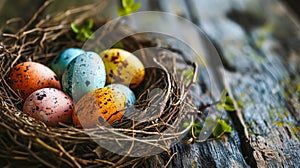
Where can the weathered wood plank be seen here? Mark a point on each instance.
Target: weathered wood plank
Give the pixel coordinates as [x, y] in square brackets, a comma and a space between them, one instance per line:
[260, 52]
[211, 153]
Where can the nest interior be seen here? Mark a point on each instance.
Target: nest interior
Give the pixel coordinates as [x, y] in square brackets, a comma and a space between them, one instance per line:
[26, 141]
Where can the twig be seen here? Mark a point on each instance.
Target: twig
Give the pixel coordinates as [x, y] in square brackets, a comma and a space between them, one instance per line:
[169, 86]
[169, 161]
[67, 154]
[36, 14]
[30, 151]
[50, 148]
[127, 154]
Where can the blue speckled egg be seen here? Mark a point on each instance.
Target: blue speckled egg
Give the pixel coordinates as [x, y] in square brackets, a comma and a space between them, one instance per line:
[85, 73]
[130, 97]
[62, 60]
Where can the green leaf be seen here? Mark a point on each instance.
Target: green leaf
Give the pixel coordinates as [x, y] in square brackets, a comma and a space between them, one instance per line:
[135, 7]
[127, 3]
[119, 45]
[188, 75]
[87, 34]
[198, 129]
[229, 105]
[84, 32]
[226, 102]
[186, 124]
[80, 37]
[128, 7]
[239, 103]
[195, 127]
[121, 12]
[223, 96]
[89, 24]
[222, 128]
[210, 123]
[219, 106]
[218, 126]
[75, 27]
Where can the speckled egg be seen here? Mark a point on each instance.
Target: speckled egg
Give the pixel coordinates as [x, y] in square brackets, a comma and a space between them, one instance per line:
[99, 107]
[50, 106]
[130, 97]
[123, 67]
[62, 60]
[28, 77]
[85, 73]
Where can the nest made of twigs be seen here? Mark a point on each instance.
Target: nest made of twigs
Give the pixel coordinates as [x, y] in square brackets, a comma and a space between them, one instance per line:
[26, 141]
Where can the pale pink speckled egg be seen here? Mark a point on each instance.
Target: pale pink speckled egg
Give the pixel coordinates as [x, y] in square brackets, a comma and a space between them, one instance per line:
[49, 105]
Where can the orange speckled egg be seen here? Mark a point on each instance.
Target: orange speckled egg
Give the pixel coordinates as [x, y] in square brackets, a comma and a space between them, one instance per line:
[28, 77]
[99, 107]
[122, 67]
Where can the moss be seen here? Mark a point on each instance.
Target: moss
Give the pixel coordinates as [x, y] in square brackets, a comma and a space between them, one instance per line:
[298, 88]
[286, 113]
[243, 95]
[252, 128]
[296, 132]
[240, 104]
[194, 164]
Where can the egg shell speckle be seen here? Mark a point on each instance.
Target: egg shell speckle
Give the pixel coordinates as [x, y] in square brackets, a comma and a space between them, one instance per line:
[130, 97]
[122, 67]
[62, 60]
[85, 73]
[28, 77]
[50, 106]
[99, 107]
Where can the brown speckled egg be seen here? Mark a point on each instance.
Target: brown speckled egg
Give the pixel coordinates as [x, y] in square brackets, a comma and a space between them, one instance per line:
[49, 105]
[28, 77]
[99, 107]
[122, 67]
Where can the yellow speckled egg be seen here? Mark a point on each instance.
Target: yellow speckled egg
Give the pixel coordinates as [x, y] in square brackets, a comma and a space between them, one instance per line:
[122, 67]
[99, 107]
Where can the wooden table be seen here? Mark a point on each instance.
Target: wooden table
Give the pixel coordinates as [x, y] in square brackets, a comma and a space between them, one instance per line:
[259, 41]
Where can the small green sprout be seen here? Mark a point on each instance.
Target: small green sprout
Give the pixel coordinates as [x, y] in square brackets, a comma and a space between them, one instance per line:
[129, 6]
[119, 45]
[226, 102]
[218, 126]
[221, 127]
[196, 127]
[189, 75]
[83, 32]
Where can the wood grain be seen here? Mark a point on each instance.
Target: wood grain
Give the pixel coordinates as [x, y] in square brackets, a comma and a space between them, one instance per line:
[260, 48]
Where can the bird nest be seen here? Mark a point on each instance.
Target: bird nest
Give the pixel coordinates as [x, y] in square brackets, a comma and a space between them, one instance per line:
[163, 99]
